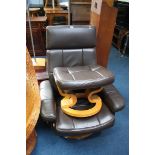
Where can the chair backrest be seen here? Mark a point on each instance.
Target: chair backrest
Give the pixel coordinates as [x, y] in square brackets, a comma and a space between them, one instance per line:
[69, 46]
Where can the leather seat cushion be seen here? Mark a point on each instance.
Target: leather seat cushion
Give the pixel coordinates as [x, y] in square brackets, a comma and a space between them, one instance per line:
[82, 77]
[67, 125]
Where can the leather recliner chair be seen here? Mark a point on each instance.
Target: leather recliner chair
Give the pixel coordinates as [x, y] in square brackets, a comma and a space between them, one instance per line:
[71, 64]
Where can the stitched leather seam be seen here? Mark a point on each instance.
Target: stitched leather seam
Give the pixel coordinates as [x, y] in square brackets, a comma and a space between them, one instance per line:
[82, 56]
[62, 58]
[99, 73]
[57, 76]
[98, 120]
[95, 68]
[78, 71]
[71, 74]
[87, 128]
[73, 123]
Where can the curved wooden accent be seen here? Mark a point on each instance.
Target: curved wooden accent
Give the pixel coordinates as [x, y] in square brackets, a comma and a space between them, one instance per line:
[70, 100]
[32, 98]
[30, 143]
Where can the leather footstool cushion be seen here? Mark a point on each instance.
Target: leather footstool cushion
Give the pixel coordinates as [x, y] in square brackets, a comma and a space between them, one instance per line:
[67, 125]
[82, 77]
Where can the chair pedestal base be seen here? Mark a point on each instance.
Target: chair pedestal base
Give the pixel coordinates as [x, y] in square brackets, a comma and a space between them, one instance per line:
[79, 137]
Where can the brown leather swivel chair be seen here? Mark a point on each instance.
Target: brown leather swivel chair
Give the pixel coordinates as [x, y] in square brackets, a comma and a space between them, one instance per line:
[71, 64]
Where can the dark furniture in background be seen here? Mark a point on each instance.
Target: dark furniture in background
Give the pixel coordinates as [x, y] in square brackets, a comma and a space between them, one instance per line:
[37, 4]
[80, 11]
[57, 16]
[42, 18]
[38, 25]
[75, 45]
[123, 13]
[121, 31]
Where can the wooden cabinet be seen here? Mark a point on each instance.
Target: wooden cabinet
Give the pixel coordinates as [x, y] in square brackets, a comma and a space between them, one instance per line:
[80, 11]
[103, 16]
[38, 25]
[56, 12]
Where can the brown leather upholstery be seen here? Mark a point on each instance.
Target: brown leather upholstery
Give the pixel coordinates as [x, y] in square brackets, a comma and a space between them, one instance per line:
[112, 98]
[71, 61]
[82, 77]
[67, 125]
[72, 126]
[70, 58]
[69, 46]
[73, 58]
[48, 104]
[70, 37]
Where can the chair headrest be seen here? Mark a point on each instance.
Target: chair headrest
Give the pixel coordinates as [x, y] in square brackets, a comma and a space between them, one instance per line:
[70, 37]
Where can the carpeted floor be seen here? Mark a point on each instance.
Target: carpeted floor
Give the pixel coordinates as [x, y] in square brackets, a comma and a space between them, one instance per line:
[112, 141]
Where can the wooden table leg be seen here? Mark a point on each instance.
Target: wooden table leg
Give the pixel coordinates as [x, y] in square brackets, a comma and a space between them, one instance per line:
[49, 18]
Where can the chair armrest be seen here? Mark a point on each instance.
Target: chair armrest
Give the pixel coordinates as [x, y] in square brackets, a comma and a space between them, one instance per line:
[48, 104]
[112, 98]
